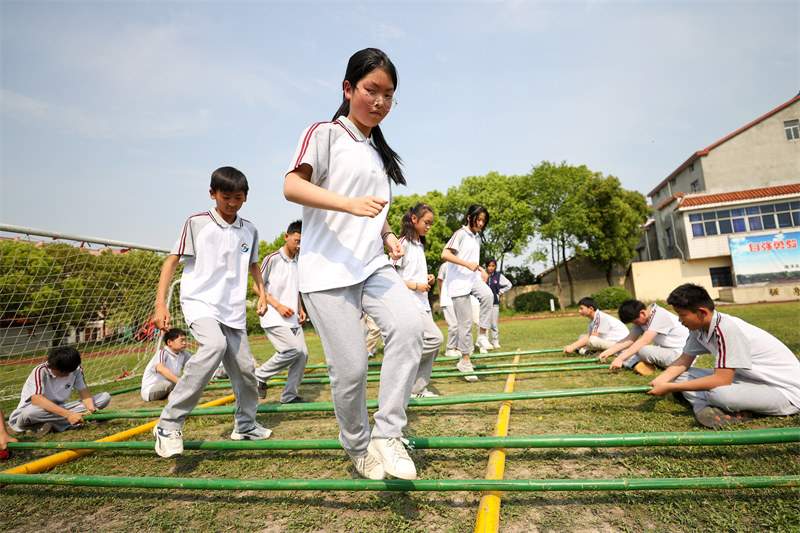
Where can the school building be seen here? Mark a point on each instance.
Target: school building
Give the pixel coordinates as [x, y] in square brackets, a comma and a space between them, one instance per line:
[728, 217]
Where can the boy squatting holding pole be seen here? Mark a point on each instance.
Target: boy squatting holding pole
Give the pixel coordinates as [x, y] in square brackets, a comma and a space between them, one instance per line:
[753, 371]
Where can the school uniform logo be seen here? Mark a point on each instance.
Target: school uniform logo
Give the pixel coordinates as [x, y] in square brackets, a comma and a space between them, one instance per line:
[245, 248]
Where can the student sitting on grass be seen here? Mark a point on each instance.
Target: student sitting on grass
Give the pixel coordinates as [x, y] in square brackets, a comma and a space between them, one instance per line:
[753, 371]
[603, 332]
[164, 369]
[43, 403]
[652, 324]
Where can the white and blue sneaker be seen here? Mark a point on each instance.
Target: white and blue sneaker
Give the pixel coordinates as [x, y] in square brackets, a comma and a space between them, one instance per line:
[258, 432]
[169, 442]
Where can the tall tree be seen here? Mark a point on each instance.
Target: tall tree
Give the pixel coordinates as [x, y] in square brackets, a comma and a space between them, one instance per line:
[615, 217]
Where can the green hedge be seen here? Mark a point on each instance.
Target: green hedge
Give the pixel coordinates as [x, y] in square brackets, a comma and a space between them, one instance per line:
[611, 297]
[533, 302]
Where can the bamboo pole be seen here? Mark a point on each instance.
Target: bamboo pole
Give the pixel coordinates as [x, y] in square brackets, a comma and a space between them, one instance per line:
[529, 485]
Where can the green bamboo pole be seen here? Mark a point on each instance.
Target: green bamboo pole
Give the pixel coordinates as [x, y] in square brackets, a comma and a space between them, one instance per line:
[373, 404]
[614, 440]
[530, 485]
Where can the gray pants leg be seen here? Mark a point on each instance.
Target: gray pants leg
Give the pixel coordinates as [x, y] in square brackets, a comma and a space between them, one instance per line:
[452, 327]
[217, 342]
[160, 390]
[495, 319]
[463, 311]
[290, 352]
[336, 314]
[657, 355]
[485, 297]
[431, 342]
[32, 416]
[741, 395]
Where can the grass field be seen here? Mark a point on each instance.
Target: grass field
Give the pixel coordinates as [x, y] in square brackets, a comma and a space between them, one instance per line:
[56, 508]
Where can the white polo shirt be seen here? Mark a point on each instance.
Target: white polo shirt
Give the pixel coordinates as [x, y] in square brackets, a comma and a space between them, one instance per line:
[607, 327]
[280, 277]
[414, 268]
[671, 334]
[57, 389]
[217, 258]
[444, 297]
[751, 351]
[173, 361]
[339, 249]
[466, 246]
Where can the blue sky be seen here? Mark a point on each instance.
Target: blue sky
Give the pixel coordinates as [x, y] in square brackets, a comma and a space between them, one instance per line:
[114, 114]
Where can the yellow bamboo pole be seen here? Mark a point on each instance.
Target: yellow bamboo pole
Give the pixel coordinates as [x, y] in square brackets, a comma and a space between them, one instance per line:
[488, 520]
[46, 463]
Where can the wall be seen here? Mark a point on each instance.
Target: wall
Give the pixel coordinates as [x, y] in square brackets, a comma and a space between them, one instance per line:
[765, 293]
[654, 280]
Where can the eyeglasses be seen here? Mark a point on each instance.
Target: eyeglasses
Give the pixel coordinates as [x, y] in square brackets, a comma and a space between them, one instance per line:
[373, 98]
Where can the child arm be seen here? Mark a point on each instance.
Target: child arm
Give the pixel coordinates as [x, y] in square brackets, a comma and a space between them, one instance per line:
[5, 438]
[162, 317]
[87, 400]
[580, 343]
[40, 400]
[637, 344]
[258, 288]
[162, 369]
[618, 347]
[663, 383]
[301, 313]
[448, 255]
[297, 188]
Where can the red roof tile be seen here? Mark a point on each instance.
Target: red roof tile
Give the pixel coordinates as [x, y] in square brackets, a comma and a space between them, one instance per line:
[738, 196]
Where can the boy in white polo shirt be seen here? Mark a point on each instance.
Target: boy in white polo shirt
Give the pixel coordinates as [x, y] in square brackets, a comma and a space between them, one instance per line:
[218, 249]
[44, 404]
[164, 369]
[652, 324]
[603, 332]
[282, 324]
[753, 371]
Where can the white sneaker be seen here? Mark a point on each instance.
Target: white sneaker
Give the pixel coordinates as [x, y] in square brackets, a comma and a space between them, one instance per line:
[394, 457]
[369, 466]
[465, 366]
[483, 342]
[169, 442]
[452, 352]
[258, 432]
[425, 394]
[496, 345]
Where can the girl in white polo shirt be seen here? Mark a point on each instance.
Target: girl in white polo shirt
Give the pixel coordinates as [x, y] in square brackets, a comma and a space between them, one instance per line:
[341, 174]
[413, 268]
[465, 277]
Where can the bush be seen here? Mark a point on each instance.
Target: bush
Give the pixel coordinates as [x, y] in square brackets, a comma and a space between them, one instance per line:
[533, 302]
[611, 297]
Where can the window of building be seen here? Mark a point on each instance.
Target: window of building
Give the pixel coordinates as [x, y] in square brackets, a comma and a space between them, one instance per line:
[725, 226]
[755, 223]
[738, 225]
[697, 230]
[721, 277]
[710, 227]
[784, 220]
[768, 221]
[695, 186]
[792, 128]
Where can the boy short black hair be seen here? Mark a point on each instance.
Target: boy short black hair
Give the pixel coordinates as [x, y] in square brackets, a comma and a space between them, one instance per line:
[173, 334]
[64, 359]
[228, 179]
[629, 310]
[690, 296]
[588, 301]
[295, 227]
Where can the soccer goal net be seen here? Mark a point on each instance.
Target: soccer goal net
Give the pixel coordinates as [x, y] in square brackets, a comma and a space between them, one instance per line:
[94, 294]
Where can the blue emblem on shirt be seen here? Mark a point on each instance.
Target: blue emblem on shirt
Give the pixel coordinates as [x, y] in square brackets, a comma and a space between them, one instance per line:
[245, 248]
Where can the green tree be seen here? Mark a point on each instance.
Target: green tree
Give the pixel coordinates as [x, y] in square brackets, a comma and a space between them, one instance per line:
[615, 217]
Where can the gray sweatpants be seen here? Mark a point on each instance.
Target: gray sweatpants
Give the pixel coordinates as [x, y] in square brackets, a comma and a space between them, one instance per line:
[160, 390]
[452, 327]
[495, 320]
[657, 355]
[431, 342]
[32, 416]
[290, 352]
[463, 309]
[218, 342]
[741, 395]
[336, 314]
